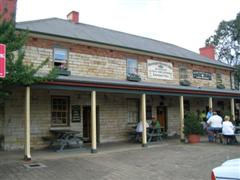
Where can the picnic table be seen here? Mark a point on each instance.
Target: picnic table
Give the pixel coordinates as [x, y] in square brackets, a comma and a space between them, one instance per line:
[154, 132]
[65, 137]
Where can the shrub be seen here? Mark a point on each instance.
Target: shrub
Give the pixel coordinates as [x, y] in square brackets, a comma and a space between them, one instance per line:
[192, 125]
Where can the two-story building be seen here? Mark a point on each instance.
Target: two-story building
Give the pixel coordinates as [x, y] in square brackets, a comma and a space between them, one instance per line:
[109, 80]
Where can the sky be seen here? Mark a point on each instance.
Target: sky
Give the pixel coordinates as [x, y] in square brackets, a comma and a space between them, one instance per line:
[185, 23]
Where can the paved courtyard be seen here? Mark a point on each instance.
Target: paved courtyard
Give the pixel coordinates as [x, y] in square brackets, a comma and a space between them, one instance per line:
[166, 161]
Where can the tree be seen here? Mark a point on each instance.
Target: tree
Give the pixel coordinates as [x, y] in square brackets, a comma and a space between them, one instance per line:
[18, 72]
[226, 40]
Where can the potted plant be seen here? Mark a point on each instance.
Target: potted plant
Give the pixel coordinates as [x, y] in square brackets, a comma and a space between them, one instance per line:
[192, 127]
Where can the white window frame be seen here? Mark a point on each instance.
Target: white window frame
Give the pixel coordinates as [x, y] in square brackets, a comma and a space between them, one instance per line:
[60, 62]
[132, 66]
[133, 110]
[60, 50]
[58, 111]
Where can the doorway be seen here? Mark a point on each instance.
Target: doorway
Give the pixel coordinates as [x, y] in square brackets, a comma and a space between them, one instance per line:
[87, 124]
[162, 117]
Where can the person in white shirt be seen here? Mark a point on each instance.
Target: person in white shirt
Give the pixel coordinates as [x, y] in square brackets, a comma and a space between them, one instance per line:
[214, 124]
[139, 130]
[228, 130]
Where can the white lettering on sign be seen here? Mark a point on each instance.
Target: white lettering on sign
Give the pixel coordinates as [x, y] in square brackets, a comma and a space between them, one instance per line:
[160, 70]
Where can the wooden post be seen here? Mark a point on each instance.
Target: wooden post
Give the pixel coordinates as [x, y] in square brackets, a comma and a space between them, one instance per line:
[210, 104]
[232, 109]
[93, 122]
[181, 117]
[27, 153]
[143, 119]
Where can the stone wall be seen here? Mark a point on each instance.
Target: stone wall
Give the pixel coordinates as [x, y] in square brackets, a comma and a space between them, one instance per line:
[113, 115]
[98, 62]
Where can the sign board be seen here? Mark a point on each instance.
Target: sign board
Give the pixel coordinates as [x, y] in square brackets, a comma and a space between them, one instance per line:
[76, 113]
[202, 75]
[160, 70]
[2, 60]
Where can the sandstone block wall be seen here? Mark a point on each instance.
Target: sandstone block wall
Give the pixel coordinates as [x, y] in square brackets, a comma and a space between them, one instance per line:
[105, 63]
[113, 116]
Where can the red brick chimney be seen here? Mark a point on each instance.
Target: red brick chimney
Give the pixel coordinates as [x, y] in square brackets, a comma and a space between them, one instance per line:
[73, 16]
[208, 51]
[8, 9]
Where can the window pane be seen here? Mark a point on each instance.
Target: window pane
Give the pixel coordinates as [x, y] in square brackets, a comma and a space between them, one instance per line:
[132, 66]
[133, 110]
[60, 111]
[183, 73]
[60, 54]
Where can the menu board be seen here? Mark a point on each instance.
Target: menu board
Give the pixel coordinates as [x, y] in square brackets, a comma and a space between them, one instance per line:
[76, 113]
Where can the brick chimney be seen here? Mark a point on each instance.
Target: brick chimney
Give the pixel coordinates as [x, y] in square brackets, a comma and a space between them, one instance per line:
[208, 51]
[8, 9]
[73, 16]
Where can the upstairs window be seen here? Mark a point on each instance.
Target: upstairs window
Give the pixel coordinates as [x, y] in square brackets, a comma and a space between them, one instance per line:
[60, 58]
[183, 76]
[218, 78]
[219, 81]
[132, 66]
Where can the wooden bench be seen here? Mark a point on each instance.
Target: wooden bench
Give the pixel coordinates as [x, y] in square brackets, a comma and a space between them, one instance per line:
[226, 139]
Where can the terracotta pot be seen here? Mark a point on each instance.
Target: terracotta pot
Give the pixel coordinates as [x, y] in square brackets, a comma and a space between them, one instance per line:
[193, 138]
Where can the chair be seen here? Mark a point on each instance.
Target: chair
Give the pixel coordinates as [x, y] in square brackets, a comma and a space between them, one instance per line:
[217, 134]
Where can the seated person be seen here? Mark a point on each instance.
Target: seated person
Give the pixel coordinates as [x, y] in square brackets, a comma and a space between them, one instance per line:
[155, 123]
[214, 124]
[228, 130]
[139, 130]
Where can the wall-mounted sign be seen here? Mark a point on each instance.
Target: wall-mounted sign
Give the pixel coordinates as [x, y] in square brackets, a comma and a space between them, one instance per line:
[202, 75]
[2, 60]
[160, 70]
[76, 113]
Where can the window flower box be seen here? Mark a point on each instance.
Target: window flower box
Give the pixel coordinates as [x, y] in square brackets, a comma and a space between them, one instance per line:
[220, 86]
[185, 82]
[64, 72]
[133, 77]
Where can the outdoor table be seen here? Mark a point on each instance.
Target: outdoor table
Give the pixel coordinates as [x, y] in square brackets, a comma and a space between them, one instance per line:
[237, 129]
[154, 133]
[65, 137]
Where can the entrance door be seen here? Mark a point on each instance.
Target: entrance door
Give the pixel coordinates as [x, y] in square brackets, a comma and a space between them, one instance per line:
[162, 117]
[87, 123]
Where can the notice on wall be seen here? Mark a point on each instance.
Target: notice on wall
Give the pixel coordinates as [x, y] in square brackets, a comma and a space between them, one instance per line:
[160, 70]
[76, 113]
[202, 75]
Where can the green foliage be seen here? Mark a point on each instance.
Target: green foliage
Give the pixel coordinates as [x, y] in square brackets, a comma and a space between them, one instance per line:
[226, 40]
[191, 124]
[18, 72]
[237, 76]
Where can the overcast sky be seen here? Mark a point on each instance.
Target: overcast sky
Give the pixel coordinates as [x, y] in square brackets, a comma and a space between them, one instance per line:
[186, 23]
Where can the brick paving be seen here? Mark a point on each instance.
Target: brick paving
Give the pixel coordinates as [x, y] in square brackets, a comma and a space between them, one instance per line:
[167, 161]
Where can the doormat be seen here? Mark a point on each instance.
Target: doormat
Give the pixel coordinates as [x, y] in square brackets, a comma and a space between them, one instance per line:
[34, 165]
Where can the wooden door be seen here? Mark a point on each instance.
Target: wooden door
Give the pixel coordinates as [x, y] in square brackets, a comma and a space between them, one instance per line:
[162, 117]
[87, 123]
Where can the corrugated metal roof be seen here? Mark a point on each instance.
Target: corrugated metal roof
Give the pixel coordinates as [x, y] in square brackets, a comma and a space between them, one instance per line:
[89, 33]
